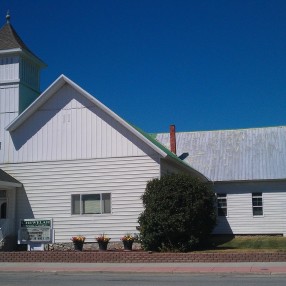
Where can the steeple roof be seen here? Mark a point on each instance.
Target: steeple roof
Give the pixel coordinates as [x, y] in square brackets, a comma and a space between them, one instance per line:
[10, 40]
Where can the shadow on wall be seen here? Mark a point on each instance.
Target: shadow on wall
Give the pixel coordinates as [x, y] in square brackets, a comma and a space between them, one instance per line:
[24, 209]
[222, 233]
[36, 122]
[222, 226]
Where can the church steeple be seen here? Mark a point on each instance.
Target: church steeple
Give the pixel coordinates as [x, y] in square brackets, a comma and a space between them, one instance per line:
[9, 37]
[19, 70]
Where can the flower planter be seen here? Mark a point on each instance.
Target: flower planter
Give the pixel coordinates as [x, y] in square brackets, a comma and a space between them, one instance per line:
[102, 246]
[78, 242]
[127, 244]
[78, 246]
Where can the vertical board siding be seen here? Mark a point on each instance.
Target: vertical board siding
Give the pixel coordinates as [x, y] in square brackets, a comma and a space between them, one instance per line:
[30, 74]
[9, 100]
[239, 205]
[69, 127]
[48, 188]
[8, 111]
[9, 69]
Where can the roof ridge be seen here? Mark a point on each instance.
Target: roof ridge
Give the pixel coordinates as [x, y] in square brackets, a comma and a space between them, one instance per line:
[230, 130]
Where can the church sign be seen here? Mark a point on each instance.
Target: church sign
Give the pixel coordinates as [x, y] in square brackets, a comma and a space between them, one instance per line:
[36, 230]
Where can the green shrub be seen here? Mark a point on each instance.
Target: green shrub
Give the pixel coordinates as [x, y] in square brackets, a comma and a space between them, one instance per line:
[179, 213]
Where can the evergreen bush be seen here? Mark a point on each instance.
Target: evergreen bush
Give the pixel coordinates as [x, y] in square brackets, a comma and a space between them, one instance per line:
[179, 213]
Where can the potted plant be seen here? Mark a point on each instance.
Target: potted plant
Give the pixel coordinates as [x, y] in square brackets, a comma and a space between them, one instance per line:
[128, 240]
[78, 242]
[102, 241]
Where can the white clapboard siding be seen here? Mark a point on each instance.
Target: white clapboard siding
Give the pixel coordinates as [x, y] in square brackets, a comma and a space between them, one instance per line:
[48, 187]
[239, 205]
[68, 127]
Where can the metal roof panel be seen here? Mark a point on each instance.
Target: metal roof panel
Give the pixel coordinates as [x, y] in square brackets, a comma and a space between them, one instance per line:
[231, 155]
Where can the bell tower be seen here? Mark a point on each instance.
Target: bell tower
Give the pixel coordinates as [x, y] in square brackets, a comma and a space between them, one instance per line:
[19, 80]
[19, 72]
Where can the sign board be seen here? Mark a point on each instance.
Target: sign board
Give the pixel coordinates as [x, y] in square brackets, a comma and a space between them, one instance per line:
[36, 230]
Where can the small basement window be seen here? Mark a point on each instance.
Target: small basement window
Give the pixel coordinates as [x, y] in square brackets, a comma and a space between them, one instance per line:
[91, 203]
[221, 204]
[257, 204]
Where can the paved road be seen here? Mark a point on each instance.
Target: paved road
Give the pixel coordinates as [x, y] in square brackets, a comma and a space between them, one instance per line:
[140, 279]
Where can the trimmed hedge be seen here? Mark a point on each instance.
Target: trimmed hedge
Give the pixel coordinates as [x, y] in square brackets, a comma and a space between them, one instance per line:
[179, 213]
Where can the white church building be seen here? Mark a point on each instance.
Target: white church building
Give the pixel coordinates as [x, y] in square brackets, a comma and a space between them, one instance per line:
[67, 157]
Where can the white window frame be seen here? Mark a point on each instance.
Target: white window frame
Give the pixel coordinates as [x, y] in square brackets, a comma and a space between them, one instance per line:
[222, 196]
[81, 204]
[257, 195]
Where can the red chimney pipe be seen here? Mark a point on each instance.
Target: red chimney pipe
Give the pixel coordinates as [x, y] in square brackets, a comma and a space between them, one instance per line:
[173, 139]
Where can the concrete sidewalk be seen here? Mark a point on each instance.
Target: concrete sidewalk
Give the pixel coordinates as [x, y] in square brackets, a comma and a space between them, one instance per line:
[245, 267]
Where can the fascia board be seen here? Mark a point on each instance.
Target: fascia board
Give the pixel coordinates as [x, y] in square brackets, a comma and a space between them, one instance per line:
[11, 51]
[249, 181]
[26, 54]
[5, 184]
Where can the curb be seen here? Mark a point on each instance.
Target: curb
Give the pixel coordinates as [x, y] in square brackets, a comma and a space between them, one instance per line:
[146, 268]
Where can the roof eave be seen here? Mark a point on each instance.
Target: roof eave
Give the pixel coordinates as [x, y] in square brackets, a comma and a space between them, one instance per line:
[25, 53]
[189, 168]
[5, 184]
[246, 181]
[11, 51]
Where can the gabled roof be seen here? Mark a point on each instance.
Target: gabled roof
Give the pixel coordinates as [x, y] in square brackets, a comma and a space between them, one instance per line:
[8, 181]
[146, 138]
[235, 155]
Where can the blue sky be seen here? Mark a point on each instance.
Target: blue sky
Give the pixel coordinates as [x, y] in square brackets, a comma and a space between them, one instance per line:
[201, 65]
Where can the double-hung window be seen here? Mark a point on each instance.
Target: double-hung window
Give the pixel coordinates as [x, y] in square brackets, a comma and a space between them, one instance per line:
[221, 205]
[91, 203]
[257, 204]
